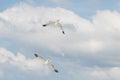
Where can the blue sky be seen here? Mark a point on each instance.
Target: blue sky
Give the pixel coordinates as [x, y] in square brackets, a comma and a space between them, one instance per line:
[89, 50]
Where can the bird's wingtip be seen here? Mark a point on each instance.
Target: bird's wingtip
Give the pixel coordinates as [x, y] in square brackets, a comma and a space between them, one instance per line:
[56, 71]
[44, 25]
[36, 55]
[63, 32]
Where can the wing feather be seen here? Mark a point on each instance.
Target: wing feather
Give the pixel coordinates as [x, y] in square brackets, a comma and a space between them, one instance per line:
[59, 25]
[41, 58]
[48, 62]
[52, 67]
[49, 23]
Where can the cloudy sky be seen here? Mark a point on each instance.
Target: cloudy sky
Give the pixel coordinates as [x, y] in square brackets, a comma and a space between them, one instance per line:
[89, 50]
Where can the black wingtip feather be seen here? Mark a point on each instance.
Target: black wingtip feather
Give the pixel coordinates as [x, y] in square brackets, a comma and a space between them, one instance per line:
[63, 32]
[56, 71]
[36, 55]
[44, 25]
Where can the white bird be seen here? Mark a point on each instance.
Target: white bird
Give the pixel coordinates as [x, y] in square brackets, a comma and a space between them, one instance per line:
[47, 62]
[54, 23]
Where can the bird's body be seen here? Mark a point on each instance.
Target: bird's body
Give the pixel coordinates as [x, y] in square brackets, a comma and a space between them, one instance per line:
[47, 62]
[56, 24]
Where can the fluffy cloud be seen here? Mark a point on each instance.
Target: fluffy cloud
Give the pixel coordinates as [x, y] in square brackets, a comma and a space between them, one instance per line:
[99, 34]
[107, 74]
[21, 62]
[81, 34]
[28, 27]
[78, 71]
[92, 42]
[23, 23]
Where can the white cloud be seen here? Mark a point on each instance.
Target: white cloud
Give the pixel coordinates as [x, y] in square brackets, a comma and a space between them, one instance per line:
[21, 62]
[114, 72]
[86, 36]
[77, 71]
[100, 36]
[107, 20]
[107, 74]
[31, 24]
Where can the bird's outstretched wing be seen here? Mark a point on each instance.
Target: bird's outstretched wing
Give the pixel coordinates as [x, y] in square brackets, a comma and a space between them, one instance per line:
[54, 23]
[49, 23]
[52, 67]
[47, 62]
[59, 25]
[41, 58]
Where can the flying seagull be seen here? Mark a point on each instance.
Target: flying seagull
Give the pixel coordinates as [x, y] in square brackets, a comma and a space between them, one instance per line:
[47, 62]
[54, 23]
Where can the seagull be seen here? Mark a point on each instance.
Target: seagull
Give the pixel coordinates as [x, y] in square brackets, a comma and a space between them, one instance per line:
[47, 62]
[54, 23]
